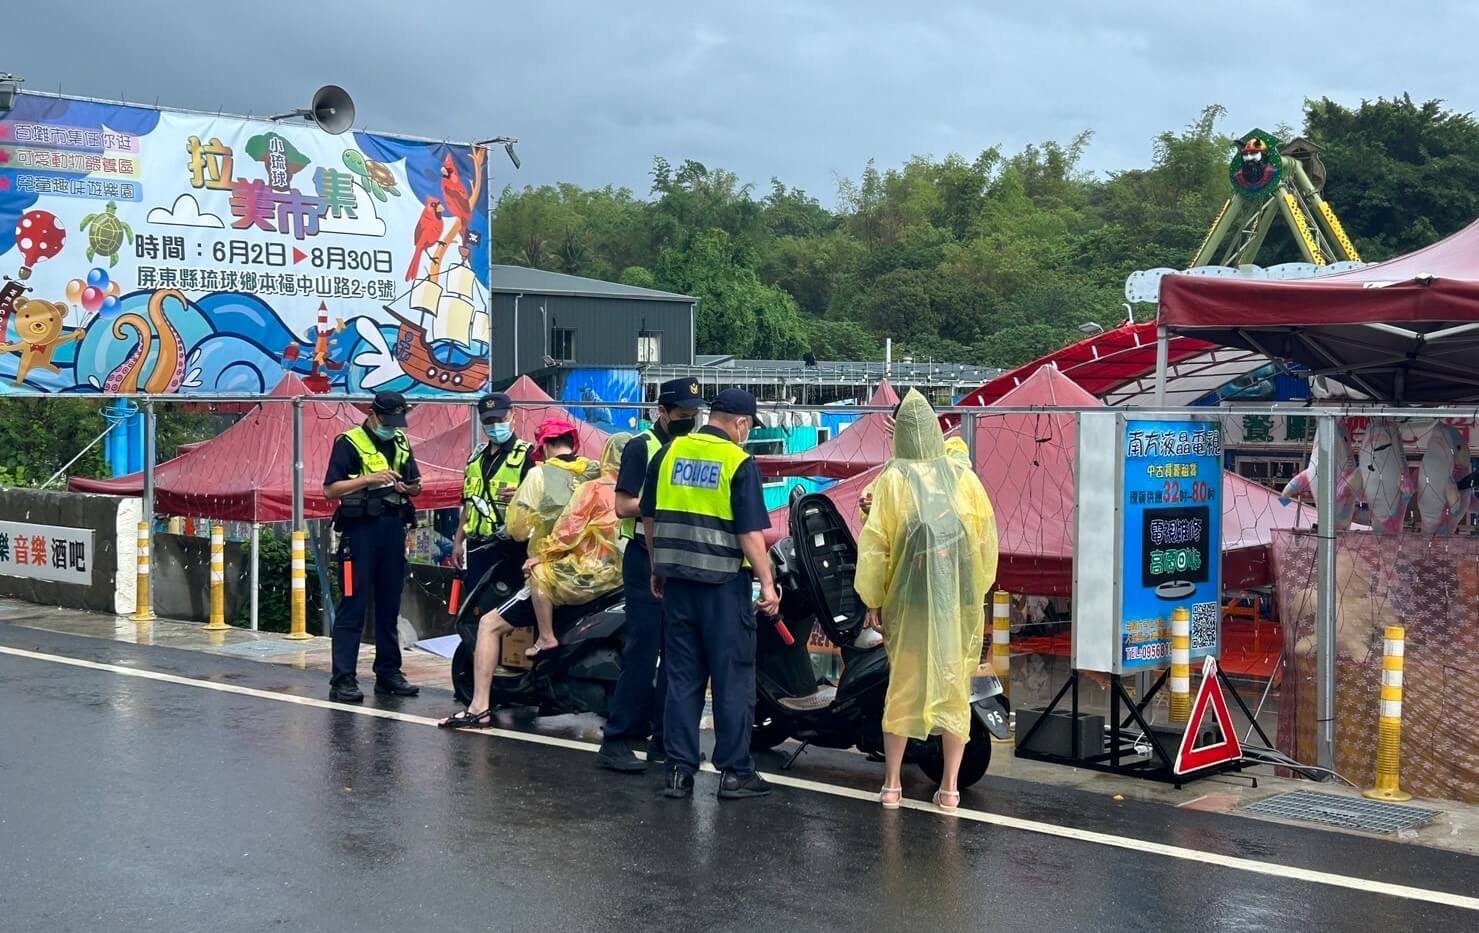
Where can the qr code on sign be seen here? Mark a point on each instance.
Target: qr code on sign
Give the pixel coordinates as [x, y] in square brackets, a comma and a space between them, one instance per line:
[1204, 621]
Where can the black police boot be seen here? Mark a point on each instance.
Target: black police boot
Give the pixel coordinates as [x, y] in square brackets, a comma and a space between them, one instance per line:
[345, 690]
[734, 787]
[679, 785]
[395, 684]
[617, 755]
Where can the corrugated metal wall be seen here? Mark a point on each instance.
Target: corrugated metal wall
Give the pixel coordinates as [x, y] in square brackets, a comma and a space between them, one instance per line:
[605, 330]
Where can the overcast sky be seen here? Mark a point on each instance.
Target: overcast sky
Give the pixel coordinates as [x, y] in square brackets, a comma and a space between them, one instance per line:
[806, 91]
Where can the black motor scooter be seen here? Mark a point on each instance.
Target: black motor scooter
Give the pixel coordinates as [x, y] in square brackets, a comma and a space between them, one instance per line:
[577, 677]
[815, 568]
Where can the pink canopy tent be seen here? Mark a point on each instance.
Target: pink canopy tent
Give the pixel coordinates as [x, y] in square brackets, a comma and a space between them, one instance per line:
[451, 448]
[1027, 464]
[866, 443]
[246, 473]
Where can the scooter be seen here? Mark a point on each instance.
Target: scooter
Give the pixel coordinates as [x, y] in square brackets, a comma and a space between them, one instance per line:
[815, 568]
[577, 677]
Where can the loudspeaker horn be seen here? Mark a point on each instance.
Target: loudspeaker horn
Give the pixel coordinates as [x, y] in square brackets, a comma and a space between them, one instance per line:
[332, 109]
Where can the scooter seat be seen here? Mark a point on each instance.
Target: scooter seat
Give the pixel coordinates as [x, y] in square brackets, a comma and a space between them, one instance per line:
[820, 700]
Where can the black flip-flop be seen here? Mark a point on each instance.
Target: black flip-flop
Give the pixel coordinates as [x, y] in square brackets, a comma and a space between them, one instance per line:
[467, 720]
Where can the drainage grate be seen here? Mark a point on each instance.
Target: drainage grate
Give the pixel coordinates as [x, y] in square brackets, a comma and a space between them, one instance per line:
[262, 649]
[1370, 816]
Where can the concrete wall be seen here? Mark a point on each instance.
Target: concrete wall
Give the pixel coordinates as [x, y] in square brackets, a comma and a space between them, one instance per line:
[182, 578]
[113, 522]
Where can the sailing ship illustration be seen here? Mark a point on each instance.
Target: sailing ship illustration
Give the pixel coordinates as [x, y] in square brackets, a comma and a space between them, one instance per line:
[445, 330]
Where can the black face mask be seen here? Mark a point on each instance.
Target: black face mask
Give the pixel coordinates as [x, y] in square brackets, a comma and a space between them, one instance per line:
[680, 428]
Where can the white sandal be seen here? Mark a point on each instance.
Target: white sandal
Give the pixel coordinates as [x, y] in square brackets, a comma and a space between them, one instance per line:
[890, 797]
[942, 795]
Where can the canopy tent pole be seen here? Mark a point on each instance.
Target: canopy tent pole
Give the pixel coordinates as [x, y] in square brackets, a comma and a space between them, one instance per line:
[298, 464]
[1325, 590]
[256, 568]
[1162, 363]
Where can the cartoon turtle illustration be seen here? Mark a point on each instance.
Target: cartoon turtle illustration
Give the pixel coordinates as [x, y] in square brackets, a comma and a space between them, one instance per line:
[374, 177]
[107, 234]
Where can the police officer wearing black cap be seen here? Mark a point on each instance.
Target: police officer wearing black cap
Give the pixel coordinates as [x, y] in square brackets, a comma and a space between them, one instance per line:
[704, 513]
[373, 476]
[493, 475]
[636, 709]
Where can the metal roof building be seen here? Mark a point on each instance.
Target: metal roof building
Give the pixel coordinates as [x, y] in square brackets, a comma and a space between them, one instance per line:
[543, 319]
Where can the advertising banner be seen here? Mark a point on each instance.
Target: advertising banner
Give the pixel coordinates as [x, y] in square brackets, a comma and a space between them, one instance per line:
[163, 252]
[46, 552]
[1171, 538]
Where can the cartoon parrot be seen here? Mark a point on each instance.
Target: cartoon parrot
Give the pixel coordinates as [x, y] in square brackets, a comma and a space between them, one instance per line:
[428, 231]
[454, 193]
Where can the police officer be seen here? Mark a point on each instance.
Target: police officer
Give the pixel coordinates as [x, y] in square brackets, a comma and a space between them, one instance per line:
[372, 475]
[493, 475]
[704, 514]
[636, 708]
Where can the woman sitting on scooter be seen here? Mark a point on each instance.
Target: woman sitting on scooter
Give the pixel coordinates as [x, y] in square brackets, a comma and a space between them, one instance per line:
[574, 555]
[926, 558]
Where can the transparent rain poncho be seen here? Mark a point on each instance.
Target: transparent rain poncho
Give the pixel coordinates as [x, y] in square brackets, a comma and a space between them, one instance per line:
[926, 558]
[580, 558]
[543, 495]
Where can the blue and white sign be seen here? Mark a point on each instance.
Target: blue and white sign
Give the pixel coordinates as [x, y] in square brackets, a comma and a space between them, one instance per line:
[1170, 535]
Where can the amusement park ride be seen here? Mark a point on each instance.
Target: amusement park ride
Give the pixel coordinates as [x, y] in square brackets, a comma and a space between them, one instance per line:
[1271, 181]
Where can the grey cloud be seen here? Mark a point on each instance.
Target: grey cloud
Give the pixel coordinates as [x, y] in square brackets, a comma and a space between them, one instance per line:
[801, 90]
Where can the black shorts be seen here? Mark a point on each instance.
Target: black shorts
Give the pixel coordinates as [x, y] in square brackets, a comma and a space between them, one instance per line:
[519, 611]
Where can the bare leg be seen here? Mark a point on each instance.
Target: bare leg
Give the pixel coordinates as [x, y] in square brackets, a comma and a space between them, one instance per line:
[544, 617]
[893, 758]
[954, 747]
[485, 660]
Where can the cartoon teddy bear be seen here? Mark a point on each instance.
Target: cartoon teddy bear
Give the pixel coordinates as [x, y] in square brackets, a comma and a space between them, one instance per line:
[38, 325]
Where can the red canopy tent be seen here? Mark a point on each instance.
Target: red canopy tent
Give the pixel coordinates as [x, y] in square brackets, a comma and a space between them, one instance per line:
[451, 448]
[866, 443]
[1027, 464]
[1118, 367]
[1403, 331]
[246, 473]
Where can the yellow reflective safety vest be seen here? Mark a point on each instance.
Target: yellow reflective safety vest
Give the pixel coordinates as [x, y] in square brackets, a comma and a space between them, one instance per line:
[695, 510]
[631, 527]
[371, 460]
[482, 492]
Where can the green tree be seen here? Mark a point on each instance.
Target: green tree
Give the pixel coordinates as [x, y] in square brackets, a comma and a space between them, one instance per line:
[737, 314]
[1402, 174]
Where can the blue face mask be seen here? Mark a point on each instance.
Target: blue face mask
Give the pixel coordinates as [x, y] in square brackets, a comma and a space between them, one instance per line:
[383, 432]
[499, 433]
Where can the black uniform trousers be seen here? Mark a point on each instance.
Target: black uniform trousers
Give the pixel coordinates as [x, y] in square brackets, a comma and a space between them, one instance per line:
[710, 636]
[637, 706]
[376, 551]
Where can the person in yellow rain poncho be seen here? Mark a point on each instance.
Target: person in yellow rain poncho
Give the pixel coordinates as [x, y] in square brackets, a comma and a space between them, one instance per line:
[532, 516]
[955, 446]
[926, 558]
[580, 558]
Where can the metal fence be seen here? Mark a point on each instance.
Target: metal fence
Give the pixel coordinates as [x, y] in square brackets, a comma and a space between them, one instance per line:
[1305, 601]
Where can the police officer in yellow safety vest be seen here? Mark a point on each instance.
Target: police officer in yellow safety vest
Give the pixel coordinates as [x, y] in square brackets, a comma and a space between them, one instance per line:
[493, 475]
[373, 476]
[636, 706]
[704, 514]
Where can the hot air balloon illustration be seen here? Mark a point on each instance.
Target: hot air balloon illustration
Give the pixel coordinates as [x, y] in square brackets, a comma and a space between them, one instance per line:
[40, 236]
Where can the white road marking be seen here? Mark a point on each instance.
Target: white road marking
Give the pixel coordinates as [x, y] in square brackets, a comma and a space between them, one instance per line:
[1253, 866]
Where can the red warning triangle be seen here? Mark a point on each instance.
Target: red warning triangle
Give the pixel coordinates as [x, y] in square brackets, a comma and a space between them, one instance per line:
[1190, 759]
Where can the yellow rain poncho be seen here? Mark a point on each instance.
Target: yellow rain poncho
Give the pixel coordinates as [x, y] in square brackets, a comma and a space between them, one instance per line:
[543, 495]
[926, 558]
[580, 558]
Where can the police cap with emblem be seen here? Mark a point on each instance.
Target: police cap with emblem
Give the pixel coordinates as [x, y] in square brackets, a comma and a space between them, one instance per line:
[680, 393]
[390, 408]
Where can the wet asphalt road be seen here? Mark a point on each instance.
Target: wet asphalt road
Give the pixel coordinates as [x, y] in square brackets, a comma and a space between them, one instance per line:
[129, 804]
